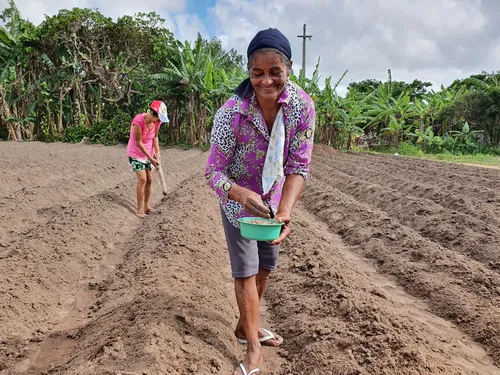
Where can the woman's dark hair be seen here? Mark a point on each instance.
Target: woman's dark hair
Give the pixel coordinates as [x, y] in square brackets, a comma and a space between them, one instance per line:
[154, 113]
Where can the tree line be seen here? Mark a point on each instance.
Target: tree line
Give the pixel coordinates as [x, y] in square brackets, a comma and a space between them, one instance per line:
[81, 74]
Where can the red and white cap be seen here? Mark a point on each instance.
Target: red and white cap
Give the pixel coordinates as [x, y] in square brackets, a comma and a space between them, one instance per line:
[159, 107]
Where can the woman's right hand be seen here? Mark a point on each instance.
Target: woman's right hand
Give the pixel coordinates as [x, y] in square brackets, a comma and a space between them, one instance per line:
[252, 203]
[154, 162]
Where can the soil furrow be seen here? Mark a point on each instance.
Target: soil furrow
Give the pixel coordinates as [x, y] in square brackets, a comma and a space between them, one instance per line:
[457, 288]
[455, 230]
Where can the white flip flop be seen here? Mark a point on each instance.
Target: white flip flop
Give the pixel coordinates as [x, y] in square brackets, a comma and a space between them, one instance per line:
[269, 336]
[254, 371]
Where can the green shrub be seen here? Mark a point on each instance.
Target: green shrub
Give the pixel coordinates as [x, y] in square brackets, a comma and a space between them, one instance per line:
[409, 149]
[74, 134]
[4, 133]
[107, 132]
[491, 151]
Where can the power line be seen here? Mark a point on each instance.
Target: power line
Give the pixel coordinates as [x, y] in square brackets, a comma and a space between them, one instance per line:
[323, 11]
[336, 19]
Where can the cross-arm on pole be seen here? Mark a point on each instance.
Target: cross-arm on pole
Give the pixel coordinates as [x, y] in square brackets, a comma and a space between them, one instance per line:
[304, 36]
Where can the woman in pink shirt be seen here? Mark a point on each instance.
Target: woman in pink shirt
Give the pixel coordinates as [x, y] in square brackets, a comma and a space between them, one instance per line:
[143, 152]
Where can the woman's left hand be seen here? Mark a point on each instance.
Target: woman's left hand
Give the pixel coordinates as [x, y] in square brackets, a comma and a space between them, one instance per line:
[282, 217]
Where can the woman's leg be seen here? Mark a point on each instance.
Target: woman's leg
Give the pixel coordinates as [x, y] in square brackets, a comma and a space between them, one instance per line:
[141, 183]
[147, 191]
[247, 298]
[261, 281]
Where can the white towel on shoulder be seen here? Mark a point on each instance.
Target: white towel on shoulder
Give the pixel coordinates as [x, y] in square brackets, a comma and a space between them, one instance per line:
[273, 166]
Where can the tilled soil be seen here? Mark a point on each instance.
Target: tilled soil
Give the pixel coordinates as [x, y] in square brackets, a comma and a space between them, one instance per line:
[392, 268]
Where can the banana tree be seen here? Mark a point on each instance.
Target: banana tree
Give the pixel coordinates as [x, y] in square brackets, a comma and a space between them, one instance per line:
[465, 134]
[326, 103]
[438, 101]
[427, 140]
[350, 117]
[219, 85]
[310, 85]
[395, 130]
[492, 81]
[11, 72]
[349, 124]
[421, 110]
[199, 78]
[185, 75]
[381, 107]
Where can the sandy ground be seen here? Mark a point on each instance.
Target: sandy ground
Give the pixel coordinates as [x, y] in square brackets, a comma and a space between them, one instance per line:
[393, 267]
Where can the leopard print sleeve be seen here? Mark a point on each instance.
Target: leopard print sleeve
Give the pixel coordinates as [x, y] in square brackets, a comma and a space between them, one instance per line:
[222, 147]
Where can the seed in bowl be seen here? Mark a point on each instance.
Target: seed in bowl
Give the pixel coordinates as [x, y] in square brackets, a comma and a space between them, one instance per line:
[261, 222]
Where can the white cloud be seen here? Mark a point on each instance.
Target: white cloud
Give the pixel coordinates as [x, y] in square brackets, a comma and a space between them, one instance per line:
[437, 41]
[184, 25]
[189, 25]
[131, 7]
[35, 10]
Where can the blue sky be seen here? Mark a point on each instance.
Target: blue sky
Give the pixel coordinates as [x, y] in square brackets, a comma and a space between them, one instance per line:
[201, 7]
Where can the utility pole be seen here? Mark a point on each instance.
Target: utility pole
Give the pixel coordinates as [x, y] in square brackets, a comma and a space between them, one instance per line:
[304, 36]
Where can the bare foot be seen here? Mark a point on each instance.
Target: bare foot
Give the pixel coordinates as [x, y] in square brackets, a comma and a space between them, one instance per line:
[149, 210]
[140, 215]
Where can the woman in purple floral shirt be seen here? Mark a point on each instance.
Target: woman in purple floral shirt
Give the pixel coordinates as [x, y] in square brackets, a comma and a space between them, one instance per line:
[261, 147]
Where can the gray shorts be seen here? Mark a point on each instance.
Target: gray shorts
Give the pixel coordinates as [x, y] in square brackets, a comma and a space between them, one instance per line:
[247, 256]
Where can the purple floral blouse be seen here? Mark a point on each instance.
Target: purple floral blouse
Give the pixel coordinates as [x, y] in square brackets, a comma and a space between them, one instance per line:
[239, 143]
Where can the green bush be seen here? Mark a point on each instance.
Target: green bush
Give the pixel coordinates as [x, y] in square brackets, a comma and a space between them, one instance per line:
[75, 134]
[491, 151]
[409, 149]
[107, 132]
[4, 133]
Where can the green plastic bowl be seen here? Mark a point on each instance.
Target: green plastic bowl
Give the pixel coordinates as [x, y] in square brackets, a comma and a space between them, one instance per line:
[269, 230]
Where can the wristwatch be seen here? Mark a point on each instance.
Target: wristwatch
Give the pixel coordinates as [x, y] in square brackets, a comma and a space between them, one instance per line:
[227, 186]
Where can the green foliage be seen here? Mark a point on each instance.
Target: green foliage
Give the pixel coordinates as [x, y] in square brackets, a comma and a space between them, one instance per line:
[75, 134]
[405, 148]
[428, 141]
[4, 133]
[480, 110]
[491, 151]
[477, 82]
[486, 157]
[409, 149]
[81, 74]
[416, 89]
[478, 158]
[108, 132]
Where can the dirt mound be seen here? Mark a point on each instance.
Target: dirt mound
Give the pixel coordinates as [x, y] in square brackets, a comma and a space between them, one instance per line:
[392, 268]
